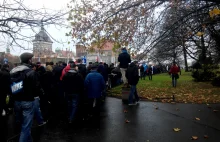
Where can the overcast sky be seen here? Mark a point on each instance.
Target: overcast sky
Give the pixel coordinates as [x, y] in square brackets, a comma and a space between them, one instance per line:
[57, 33]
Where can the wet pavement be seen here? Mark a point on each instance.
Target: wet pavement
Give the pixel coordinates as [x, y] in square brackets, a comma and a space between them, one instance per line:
[148, 122]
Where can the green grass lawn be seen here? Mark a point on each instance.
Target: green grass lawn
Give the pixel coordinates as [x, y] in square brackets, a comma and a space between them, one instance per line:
[187, 91]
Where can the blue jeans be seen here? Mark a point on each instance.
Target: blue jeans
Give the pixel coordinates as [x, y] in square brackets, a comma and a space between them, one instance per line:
[37, 111]
[73, 101]
[24, 112]
[133, 93]
[174, 80]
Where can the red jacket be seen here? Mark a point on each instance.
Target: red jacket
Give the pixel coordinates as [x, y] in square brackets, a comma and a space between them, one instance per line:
[174, 70]
[65, 70]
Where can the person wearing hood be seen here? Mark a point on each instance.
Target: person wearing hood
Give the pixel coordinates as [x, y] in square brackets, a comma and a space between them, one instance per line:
[133, 78]
[65, 70]
[24, 94]
[124, 59]
[73, 88]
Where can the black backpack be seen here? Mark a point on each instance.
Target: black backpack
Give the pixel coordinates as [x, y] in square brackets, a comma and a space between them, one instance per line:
[17, 81]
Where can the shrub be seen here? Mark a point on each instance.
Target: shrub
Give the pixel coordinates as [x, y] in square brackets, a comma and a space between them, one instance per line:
[201, 75]
[216, 81]
[204, 72]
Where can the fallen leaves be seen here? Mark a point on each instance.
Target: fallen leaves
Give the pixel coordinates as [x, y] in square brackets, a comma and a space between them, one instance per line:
[206, 136]
[194, 138]
[176, 129]
[125, 111]
[187, 91]
[215, 110]
[196, 118]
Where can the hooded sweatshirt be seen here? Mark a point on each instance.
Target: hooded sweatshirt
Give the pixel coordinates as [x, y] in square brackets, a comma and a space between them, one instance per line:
[31, 84]
[65, 70]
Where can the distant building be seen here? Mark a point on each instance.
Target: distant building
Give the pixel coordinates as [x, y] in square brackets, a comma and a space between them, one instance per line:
[42, 44]
[94, 54]
[80, 51]
[42, 49]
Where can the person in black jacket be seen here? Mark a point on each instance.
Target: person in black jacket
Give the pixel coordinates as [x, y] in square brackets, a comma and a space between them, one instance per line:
[73, 87]
[24, 100]
[124, 59]
[48, 99]
[133, 78]
[4, 87]
[81, 68]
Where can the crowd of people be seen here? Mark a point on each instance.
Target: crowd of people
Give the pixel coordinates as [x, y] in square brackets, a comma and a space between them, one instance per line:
[33, 89]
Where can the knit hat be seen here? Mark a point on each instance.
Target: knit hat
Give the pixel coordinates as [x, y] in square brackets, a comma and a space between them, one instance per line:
[25, 57]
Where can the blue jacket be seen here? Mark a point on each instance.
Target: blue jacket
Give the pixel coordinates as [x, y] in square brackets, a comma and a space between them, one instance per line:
[94, 84]
[145, 67]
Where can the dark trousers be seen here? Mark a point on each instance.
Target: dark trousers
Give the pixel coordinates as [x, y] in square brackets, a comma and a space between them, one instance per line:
[4, 128]
[94, 106]
[150, 76]
[3, 103]
[174, 80]
[143, 75]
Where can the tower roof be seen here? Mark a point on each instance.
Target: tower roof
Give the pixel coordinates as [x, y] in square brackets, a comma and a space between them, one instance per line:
[42, 36]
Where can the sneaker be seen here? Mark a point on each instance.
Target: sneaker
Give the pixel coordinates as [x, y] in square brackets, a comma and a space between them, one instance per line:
[133, 104]
[138, 101]
[42, 124]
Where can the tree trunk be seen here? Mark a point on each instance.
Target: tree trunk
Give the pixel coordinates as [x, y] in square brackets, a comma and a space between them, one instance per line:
[185, 57]
[203, 54]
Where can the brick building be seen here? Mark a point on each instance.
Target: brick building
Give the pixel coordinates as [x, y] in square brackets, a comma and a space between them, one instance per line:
[94, 54]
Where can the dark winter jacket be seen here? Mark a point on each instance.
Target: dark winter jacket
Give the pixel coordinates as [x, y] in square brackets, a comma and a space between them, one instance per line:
[47, 82]
[41, 70]
[124, 58]
[94, 84]
[101, 69]
[57, 72]
[4, 81]
[132, 74]
[73, 82]
[31, 84]
[82, 70]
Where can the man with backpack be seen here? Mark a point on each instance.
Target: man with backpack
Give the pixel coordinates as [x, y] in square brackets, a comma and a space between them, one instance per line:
[25, 85]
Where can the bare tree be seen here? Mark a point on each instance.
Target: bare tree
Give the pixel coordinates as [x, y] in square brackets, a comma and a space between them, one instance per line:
[15, 17]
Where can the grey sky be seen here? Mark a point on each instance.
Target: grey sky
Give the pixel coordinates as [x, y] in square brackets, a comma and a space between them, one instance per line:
[57, 33]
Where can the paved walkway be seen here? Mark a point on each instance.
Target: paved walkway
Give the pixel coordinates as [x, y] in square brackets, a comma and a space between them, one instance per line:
[148, 122]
